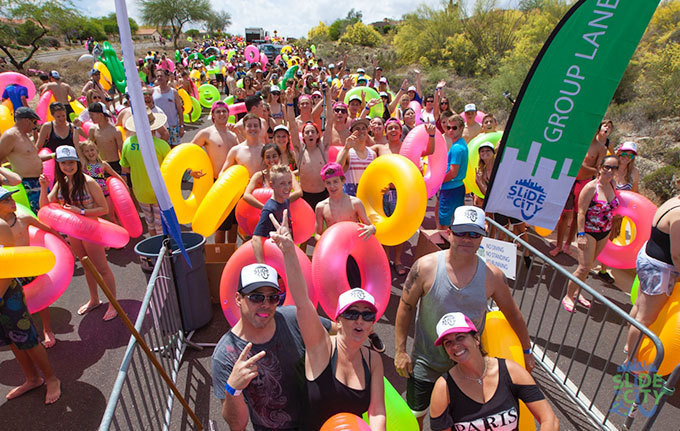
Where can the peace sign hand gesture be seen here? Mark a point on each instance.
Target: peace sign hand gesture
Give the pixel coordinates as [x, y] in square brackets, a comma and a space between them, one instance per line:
[282, 236]
[245, 369]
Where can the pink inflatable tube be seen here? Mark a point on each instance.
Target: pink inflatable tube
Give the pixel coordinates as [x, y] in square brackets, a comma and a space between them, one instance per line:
[7, 78]
[329, 266]
[277, 59]
[417, 109]
[237, 108]
[98, 231]
[264, 60]
[302, 216]
[273, 257]
[641, 211]
[171, 65]
[333, 151]
[124, 207]
[42, 109]
[251, 54]
[414, 146]
[47, 288]
[86, 128]
[48, 165]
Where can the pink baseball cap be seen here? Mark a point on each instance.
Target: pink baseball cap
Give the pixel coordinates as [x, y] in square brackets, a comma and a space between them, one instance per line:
[330, 170]
[452, 323]
[354, 296]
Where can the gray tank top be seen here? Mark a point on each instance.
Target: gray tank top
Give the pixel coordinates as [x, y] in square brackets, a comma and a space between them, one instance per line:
[431, 362]
[166, 101]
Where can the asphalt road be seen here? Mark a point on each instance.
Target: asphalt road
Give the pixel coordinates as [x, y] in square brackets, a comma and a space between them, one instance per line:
[88, 352]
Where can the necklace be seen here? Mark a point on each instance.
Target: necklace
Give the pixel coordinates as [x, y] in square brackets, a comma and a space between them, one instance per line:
[15, 220]
[475, 379]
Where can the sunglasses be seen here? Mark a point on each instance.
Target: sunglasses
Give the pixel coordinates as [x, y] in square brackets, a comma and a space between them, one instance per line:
[368, 316]
[276, 93]
[473, 235]
[451, 127]
[340, 111]
[610, 168]
[444, 103]
[316, 97]
[258, 298]
[631, 155]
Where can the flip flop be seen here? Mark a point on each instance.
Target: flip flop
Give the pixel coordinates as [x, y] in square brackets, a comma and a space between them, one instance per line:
[87, 308]
[569, 308]
[108, 317]
[583, 301]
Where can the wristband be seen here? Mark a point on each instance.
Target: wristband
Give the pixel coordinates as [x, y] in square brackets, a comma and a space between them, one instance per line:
[581, 234]
[402, 89]
[289, 104]
[367, 108]
[431, 136]
[527, 351]
[344, 89]
[82, 211]
[231, 391]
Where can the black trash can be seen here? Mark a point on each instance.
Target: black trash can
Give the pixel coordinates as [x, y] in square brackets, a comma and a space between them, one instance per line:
[191, 282]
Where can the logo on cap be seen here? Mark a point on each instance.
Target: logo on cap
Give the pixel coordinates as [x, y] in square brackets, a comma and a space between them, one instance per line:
[261, 271]
[472, 215]
[358, 294]
[449, 320]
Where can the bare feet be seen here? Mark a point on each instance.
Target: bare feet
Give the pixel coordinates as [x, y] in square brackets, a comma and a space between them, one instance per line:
[555, 251]
[86, 308]
[29, 385]
[111, 314]
[53, 390]
[50, 339]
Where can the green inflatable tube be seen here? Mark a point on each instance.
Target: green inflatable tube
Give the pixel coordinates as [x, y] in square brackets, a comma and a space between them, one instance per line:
[26, 210]
[473, 158]
[115, 66]
[195, 113]
[207, 95]
[634, 289]
[369, 93]
[397, 412]
[21, 197]
[178, 56]
[288, 75]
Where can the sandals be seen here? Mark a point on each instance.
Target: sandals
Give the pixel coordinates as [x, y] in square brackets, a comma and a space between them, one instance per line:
[87, 308]
[572, 307]
[567, 306]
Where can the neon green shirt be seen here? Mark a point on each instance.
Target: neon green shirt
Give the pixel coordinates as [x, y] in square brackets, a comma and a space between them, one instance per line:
[131, 157]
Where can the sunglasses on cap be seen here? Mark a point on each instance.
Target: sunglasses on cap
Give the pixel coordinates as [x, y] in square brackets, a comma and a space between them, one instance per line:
[368, 316]
[451, 127]
[473, 235]
[258, 298]
[631, 155]
[340, 111]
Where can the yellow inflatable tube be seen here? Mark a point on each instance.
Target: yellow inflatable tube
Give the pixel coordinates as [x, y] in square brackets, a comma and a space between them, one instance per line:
[105, 76]
[181, 158]
[186, 100]
[411, 197]
[499, 340]
[220, 200]
[25, 261]
[667, 327]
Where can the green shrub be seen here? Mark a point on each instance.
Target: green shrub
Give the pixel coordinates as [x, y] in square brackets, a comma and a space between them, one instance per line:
[662, 182]
[361, 34]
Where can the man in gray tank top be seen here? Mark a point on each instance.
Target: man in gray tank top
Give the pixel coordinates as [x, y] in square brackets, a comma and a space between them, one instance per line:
[453, 280]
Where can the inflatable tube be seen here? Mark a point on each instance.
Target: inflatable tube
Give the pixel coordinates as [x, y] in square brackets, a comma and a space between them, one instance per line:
[301, 214]
[277, 60]
[473, 159]
[195, 75]
[251, 54]
[411, 197]
[499, 340]
[25, 261]
[6, 118]
[286, 49]
[634, 290]
[25, 210]
[47, 288]
[207, 95]
[414, 146]
[333, 151]
[124, 207]
[186, 101]
[397, 413]
[195, 111]
[345, 422]
[413, 104]
[237, 108]
[115, 67]
[272, 256]
[329, 266]
[667, 327]
[178, 56]
[288, 75]
[220, 200]
[98, 231]
[542, 231]
[230, 54]
[640, 211]
[105, 79]
[181, 158]
[42, 108]
[85, 58]
[369, 93]
[48, 165]
[7, 78]
[263, 61]
[77, 107]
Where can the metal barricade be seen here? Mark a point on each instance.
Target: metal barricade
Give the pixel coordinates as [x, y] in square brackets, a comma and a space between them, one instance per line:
[583, 351]
[140, 399]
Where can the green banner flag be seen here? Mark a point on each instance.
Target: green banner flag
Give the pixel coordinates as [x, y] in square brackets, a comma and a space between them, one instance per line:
[563, 99]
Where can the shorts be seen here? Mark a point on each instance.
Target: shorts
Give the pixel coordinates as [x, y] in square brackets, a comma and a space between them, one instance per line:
[418, 394]
[16, 326]
[219, 77]
[449, 200]
[314, 198]
[116, 167]
[389, 202]
[152, 215]
[174, 139]
[350, 188]
[229, 222]
[599, 236]
[656, 277]
[504, 220]
[32, 187]
[578, 187]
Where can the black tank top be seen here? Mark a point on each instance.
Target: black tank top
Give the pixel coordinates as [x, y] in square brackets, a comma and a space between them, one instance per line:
[501, 412]
[54, 141]
[659, 244]
[327, 396]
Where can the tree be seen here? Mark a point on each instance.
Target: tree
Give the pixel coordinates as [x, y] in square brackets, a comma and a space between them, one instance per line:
[18, 38]
[218, 22]
[361, 34]
[319, 33]
[110, 24]
[175, 13]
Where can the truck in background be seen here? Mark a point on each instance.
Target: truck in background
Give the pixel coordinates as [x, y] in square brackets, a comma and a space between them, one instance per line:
[254, 34]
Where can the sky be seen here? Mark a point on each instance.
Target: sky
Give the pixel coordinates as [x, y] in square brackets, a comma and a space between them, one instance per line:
[292, 18]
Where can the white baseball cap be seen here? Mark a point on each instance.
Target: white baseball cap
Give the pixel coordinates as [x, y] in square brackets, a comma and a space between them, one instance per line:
[354, 296]
[257, 275]
[468, 218]
[470, 107]
[66, 153]
[453, 323]
[412, 88]
[628, 146]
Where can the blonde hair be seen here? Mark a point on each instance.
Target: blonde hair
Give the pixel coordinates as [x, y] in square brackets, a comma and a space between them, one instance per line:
[279, 170]
[85, 144]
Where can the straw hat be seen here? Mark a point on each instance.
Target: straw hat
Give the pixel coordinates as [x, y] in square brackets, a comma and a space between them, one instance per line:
[156, 121]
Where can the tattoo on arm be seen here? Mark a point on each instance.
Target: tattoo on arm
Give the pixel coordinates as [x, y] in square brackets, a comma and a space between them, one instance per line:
[411, 278]
[409, 306]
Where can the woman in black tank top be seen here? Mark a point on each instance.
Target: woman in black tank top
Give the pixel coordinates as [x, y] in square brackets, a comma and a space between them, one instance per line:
[481, 392]
[340, 374]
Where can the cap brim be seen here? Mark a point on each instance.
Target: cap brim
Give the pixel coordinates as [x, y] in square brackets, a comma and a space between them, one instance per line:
[67, 159]
[8, 194]
[440, 339]
[468, 227]
[254, 286]
[360, 301]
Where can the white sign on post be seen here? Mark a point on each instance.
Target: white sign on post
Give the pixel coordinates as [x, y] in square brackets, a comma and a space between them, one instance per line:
[500, 253]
